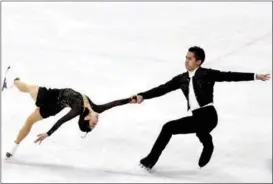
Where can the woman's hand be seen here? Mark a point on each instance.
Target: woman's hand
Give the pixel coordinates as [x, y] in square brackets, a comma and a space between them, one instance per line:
[41, 137]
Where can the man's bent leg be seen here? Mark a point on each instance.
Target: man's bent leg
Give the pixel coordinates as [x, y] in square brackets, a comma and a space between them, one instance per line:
[181, 126]
[206, 140]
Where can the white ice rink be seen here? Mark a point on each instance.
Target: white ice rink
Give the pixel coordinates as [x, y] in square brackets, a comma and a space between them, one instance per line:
[113, 50]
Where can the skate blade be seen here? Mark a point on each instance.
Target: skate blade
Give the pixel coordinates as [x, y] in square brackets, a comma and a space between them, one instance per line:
[8, 156]
[145, 169]
[4, 84]
[5, 80]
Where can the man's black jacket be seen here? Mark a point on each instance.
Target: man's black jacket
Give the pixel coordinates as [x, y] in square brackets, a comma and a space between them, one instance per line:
[203, 82]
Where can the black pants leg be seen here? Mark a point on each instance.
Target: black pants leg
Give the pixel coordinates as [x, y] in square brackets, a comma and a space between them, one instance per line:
[202, 123]
[206, 140]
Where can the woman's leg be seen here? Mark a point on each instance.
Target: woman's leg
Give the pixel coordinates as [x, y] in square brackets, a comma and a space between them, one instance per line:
[31, 120]
[26, 88]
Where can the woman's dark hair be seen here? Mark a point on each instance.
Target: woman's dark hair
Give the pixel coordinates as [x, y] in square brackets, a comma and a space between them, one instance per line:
[84, 124]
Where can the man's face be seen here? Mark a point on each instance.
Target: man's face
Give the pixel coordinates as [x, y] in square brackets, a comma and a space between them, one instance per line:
[191, 63]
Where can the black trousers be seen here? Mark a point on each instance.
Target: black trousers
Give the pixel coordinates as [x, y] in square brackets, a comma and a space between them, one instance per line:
[202, 122]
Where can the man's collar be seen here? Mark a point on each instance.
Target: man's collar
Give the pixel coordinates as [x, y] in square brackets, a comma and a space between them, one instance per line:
[192, 73]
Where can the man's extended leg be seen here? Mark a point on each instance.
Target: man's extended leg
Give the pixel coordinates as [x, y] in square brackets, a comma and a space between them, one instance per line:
[181, 126]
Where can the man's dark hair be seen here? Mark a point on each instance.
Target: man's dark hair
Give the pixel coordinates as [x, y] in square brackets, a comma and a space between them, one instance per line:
[199, 53]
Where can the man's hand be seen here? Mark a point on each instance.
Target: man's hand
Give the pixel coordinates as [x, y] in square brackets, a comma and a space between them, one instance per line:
[263, 77]
[137, 99]
[41, 137]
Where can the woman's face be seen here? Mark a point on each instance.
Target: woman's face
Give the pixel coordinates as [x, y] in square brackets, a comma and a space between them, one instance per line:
[93, 119]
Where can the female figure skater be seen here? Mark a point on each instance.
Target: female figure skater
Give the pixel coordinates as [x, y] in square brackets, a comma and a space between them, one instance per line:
[50, 102]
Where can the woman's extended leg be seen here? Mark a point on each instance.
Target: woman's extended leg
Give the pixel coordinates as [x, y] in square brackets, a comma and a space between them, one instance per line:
[31, 120]
[27, 88]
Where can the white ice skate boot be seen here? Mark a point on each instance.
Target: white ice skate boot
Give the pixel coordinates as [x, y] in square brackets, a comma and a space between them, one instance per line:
[12, 150]
[9, 78]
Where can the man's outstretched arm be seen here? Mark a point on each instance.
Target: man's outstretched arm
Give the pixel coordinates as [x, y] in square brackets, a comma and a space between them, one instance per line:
[160, 90]
[221, 76]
